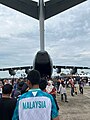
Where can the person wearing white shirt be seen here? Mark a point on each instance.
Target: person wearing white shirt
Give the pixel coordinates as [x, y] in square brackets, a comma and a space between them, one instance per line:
[63, 92]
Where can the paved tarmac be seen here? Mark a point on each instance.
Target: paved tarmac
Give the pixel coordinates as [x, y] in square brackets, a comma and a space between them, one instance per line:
[78, 107]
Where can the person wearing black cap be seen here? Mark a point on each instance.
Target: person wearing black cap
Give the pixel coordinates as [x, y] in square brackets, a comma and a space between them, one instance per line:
[22, 87]
[35, 104]
[7, 104]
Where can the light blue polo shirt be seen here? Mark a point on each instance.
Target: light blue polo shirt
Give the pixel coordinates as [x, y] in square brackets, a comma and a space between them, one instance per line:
[35, 105]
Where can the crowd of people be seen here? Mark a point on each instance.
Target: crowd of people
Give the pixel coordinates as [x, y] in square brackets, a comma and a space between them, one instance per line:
[34, 98]
[75, 87]
[29, 99]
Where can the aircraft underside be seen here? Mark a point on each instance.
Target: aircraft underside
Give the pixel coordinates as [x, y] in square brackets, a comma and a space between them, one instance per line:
[43, 64]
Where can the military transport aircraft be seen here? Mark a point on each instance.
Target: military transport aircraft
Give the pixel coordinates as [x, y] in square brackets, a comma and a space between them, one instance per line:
[41, 11]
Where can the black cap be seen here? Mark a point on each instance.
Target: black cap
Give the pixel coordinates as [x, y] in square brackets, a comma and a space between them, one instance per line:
[20, 85]
[24, 88]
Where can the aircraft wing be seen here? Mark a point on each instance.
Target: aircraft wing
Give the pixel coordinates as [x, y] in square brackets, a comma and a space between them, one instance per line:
[27, 7]
[54, 7]
[31, 8]
[16, 68]
[27, 69]
[70, 67]
[30, 67]
[73, 71]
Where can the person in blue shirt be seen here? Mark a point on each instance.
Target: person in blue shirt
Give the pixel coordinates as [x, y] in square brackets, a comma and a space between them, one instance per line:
[35, 104]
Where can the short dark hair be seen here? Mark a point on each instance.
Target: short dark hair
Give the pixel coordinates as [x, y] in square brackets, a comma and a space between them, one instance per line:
[34, 77]
[7, 89]
[42, 84]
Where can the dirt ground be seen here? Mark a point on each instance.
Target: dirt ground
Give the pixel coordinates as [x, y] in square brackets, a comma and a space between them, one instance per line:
[78, 107]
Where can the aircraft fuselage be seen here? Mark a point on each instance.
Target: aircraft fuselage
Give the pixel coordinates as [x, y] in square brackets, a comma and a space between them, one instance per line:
[43, 63]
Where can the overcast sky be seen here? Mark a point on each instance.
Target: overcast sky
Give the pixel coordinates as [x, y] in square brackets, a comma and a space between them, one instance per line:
[67, 37]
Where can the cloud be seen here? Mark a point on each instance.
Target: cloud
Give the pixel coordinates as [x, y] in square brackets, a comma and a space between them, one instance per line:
[67, 37]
